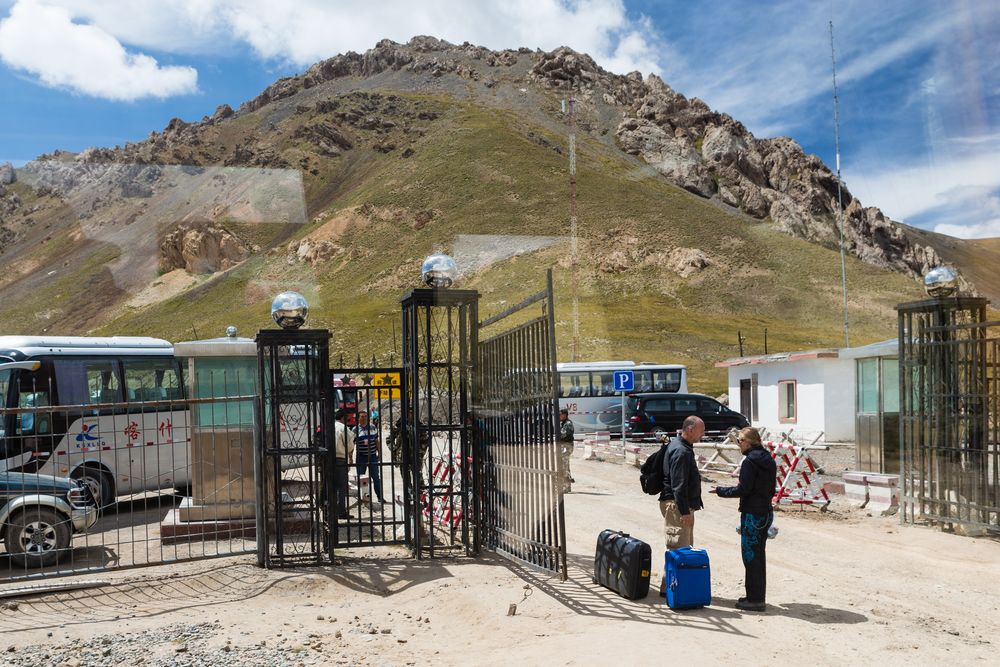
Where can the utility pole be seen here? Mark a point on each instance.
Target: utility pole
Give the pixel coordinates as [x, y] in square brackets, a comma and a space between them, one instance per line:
[840, 199]
[572, 225]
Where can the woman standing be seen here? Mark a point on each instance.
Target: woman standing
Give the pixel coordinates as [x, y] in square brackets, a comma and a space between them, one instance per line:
[755, 491]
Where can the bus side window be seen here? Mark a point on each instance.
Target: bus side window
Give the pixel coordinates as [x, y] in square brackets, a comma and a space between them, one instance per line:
[151, 380]
[643, 380]
[87, 381]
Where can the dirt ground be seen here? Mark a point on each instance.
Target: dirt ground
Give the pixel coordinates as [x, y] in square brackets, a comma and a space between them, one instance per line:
[842, 588]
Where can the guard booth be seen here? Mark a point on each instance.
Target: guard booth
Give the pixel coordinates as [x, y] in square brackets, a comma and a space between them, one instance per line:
[876, 415]
[222, 383]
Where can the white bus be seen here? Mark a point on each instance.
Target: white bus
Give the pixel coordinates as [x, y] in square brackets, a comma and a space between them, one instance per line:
[586, 390]
[125, 443]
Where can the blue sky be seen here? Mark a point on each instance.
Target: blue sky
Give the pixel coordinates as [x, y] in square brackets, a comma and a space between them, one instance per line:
[919, 80]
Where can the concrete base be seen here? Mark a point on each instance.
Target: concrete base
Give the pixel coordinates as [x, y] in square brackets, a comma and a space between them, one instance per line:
[175, 529]
[189, 510]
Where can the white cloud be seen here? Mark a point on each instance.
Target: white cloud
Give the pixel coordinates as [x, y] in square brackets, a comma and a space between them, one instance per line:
[79, 44]
[982, 230]
[302, 32]
[956, 196]
[44, 41]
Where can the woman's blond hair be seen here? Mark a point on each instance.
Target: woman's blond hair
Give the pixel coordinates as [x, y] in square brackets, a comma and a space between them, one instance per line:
[751, 435]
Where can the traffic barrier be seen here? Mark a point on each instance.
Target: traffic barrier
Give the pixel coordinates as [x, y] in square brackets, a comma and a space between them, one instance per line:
[798, 479]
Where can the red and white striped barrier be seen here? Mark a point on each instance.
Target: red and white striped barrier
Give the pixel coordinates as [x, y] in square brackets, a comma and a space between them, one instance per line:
[798, 479]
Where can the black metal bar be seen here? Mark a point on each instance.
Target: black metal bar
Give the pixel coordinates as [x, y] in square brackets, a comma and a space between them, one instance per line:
[534, 298]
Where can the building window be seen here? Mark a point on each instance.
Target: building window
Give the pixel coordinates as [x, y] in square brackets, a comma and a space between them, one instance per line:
[786, 401]
[753, 398]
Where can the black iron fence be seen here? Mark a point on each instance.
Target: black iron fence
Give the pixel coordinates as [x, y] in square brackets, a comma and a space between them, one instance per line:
[950, 414]
[108, 485]
[371, 481]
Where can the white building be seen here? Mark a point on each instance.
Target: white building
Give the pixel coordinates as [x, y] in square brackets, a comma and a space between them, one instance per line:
[808, 393]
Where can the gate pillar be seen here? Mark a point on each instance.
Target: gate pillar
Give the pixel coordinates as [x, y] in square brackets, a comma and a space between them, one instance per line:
[295, 493]
[439, 346]
[946, 440]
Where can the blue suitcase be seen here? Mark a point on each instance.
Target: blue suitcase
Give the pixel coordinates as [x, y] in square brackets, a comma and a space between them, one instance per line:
[689, 580]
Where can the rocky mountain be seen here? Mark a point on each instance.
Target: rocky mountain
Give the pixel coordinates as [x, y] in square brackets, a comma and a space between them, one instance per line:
[336, 180]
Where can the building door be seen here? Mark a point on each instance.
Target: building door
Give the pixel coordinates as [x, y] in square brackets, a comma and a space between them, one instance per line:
[745, 399]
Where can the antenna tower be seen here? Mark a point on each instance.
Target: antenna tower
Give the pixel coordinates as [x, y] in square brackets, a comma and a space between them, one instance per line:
[840, 198]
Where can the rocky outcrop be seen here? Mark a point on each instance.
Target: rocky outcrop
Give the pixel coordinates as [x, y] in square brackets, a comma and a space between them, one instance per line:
[686, 262]
[7, 174]
[313, 252]
[328, 139]
[200, 247]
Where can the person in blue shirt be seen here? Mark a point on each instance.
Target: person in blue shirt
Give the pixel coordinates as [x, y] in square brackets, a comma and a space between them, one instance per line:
[368, 444]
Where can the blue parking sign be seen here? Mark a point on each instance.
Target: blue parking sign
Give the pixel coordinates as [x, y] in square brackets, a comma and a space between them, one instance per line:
[624, 381]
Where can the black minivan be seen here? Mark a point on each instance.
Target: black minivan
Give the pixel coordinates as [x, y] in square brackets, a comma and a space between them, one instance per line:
[650, 414]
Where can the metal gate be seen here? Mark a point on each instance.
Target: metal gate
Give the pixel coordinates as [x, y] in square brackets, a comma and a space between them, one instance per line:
[517, 411]
[372, 484]
[294, 413]
[949, 358]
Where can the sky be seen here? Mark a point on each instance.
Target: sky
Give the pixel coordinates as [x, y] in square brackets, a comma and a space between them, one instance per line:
[918, 80]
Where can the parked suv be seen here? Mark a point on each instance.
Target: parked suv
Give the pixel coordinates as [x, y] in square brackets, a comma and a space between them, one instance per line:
[39, 514]
[656, 413]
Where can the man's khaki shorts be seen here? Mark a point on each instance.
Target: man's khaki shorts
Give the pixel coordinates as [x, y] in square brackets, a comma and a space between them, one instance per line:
[675, 535]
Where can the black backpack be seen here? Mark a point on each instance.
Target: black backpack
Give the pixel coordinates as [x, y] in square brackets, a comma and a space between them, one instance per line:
[651, 472]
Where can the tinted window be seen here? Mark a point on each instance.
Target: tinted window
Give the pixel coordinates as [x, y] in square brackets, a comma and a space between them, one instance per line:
[710, 407]
[657, 404]
[152, 380]
[34, 390]
[86, 381]
[686, 406]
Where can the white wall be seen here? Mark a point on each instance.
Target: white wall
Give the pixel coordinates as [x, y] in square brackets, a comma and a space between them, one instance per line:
[824, 396]
[840, 400]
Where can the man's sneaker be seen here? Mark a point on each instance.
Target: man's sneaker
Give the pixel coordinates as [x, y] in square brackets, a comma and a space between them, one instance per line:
[745, 605]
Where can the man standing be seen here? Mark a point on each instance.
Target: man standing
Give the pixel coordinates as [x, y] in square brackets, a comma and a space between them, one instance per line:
[366, 436]
[343, 449]
[681, 495]
[566, 448]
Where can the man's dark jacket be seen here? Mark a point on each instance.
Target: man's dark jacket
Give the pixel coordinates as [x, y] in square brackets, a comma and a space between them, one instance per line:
[681, 479]
[756, 486]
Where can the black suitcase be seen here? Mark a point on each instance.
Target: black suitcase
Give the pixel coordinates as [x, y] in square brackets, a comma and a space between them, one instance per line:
[622, 564]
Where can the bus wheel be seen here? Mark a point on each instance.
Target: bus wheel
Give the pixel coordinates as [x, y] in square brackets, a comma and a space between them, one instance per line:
[36, 537]
[99, 484]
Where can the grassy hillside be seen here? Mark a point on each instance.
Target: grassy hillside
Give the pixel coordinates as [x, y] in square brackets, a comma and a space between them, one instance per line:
[978, 259]
[480, 171]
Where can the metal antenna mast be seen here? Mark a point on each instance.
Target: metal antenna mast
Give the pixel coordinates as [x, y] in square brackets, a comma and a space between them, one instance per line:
[840, 200]
[572, 225]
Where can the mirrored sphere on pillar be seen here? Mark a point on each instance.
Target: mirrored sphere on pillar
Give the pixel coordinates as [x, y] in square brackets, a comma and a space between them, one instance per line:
[289, 310]
[439, 270]
[941, 281]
